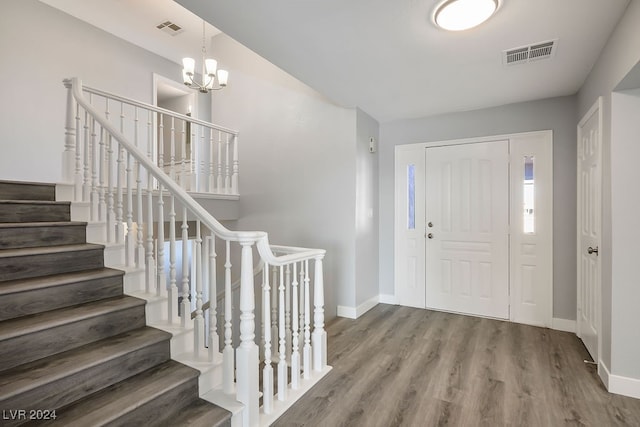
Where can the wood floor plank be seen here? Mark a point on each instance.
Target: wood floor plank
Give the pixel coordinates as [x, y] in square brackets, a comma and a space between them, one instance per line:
[399, 366]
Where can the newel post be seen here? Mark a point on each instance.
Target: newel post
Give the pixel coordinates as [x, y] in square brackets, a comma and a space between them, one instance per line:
[69, 154]
[247, 352]
[319, 335]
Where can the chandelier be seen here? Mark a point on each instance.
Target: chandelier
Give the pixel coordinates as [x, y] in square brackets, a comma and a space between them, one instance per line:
[212, 79]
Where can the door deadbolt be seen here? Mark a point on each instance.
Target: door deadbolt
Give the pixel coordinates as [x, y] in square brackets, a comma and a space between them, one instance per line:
[592, 250]
[429, 224]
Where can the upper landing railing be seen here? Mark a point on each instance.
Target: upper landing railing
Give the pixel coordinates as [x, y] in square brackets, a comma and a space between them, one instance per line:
[198, 155]
[114, 170]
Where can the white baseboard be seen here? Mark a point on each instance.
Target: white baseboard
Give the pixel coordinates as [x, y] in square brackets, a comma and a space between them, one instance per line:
[355, 312]
[564, 325]
[388, 299]
[604, 373]
[624, 385]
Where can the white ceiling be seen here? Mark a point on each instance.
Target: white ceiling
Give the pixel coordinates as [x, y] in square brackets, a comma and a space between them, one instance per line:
[383, 56]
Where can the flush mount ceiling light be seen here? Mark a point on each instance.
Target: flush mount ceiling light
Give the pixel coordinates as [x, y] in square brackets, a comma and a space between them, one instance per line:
[458, 15]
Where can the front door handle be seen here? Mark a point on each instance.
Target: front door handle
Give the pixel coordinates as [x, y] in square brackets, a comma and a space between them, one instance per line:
[592, 250]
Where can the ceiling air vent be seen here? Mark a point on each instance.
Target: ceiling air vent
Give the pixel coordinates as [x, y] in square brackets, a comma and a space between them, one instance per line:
[170, 28]
[534, 52]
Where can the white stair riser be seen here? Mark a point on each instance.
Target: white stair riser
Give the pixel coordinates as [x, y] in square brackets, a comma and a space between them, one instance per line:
[157, 311]
[96, 232]
[133, 281]
[80, 211]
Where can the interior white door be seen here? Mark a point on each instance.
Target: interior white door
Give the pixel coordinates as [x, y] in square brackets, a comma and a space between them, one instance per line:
[589, 226]
[467, 216]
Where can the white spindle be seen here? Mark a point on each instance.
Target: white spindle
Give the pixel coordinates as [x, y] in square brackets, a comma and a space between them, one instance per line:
[235, 171]
[94, 171]
[214, 339]
[295, 354]
[247, 389]
[161, 141]
[119, 196]
[319, 334]
[282, 363]
[150, 269]
[78, 178]
[102, 169]
[111, 214]
[86, 183]
[287, 312]
[301, 305]
[267, 371]
[183, 152]
[173, 284]
[69, 154]
[186, 305]
[139, 235]
[198, 327]
[306, 350]
[227, 167]
[219, 181]
[211, 179]
[227, 353]
[274, 309]
[172, 151]
[161, 280]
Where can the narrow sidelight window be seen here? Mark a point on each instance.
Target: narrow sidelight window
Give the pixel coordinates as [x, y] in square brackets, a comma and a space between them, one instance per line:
[529, 195]
[411, 199]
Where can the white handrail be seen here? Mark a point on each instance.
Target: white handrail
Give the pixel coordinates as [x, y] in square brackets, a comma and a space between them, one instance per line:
[259, 237]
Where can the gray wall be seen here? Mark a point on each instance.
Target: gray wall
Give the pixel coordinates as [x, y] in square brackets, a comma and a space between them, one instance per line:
[366, 220]
[40, 47]
[297, 171]
[557, 114]
[618, 58]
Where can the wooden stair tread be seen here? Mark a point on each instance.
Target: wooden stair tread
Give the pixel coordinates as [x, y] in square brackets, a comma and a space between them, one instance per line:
[41, 224]
[44, 250]
[204, 414]
[109, 404]
[40, 372]
[34, 202]
[42, 321]
[43, 282]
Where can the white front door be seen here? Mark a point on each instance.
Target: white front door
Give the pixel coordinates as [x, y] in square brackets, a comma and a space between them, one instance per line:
[589, 226]
[467, 227]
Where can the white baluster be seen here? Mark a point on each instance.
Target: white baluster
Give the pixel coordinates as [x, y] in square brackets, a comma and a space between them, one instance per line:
[111, 214]
[274, 309]
[301, 305]
[267, 371]
[130, 237]
[183, 152]
[150, 268]
[69, 154]
[102, 170]
[86, 183]
[186, 305]
[214, 339]
[94, 171]
[140, 216]
[198, 327]
[173, 285]
[119, 197]
[193, 160]
[235, 171]
[287, 312]
[319, 334]
[227, 167]
[202, 176]
[227, 353]
[306, 350]
[247, 353]
[219, 181]
[282, 364]
[172, 151]
[161, 142]
[161, 280]
[295, 354]
[78, 178]
[212, 184]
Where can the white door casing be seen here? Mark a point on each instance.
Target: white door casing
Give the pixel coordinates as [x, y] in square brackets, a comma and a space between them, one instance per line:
[467, 247]
[533, 285]
[589, 225]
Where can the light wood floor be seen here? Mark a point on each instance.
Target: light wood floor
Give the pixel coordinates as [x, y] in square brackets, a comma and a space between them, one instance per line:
[398, 366]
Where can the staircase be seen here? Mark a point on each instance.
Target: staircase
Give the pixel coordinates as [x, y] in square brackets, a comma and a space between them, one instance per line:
[72, 345]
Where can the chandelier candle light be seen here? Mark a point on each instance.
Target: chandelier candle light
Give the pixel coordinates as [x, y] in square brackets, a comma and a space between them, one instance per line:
[209, 72]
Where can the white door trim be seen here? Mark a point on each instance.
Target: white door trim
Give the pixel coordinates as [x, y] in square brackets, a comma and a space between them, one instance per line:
[402, 154]
[596, 108]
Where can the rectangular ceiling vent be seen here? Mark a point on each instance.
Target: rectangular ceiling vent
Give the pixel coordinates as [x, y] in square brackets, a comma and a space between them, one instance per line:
[170, 28]
[534, 52]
